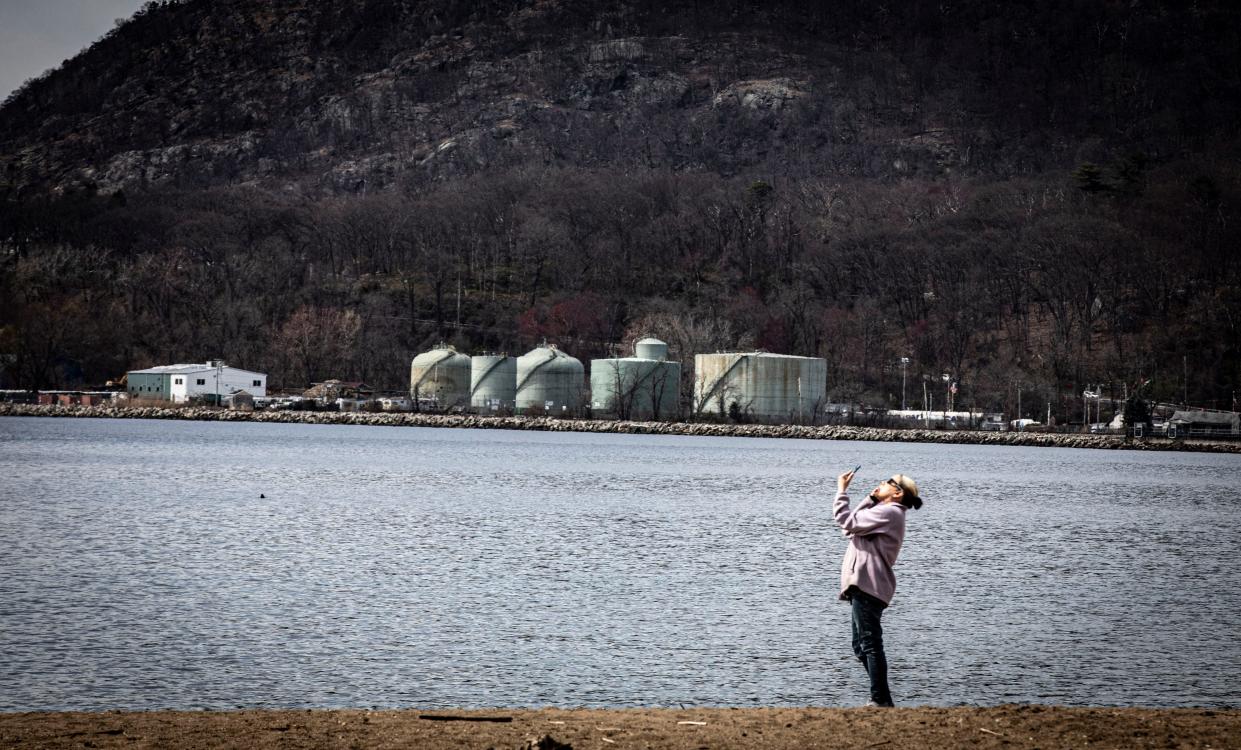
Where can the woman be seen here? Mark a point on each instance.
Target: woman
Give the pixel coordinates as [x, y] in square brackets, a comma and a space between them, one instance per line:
[875, 530]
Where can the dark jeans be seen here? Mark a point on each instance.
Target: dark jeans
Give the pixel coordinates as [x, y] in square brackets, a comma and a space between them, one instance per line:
[868, 643]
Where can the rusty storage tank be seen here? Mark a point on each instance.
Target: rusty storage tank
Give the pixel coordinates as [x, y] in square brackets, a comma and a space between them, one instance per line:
[439, 380]
[549, 381]
[493, 383]
[644, 386]
[774, 388]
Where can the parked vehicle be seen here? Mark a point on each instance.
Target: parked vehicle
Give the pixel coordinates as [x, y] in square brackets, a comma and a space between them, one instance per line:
[992, 424]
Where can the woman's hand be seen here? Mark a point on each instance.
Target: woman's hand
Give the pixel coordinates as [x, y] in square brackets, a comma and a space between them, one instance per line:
[842, 482]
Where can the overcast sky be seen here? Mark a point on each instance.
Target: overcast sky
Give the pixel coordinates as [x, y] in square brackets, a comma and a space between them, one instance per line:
[39, 34]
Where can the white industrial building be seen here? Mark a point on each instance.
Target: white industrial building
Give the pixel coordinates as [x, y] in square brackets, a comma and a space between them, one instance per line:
[180, 383]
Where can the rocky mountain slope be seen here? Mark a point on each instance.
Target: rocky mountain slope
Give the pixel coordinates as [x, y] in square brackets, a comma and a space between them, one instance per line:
[1033, 197]
[357, 95]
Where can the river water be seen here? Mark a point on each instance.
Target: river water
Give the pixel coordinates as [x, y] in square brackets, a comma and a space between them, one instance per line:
[160, 564]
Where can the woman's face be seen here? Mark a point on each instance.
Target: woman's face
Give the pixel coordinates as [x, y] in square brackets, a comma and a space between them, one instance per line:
[887, 491]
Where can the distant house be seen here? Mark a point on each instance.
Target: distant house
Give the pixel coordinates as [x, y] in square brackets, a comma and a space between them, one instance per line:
[180, 383]
[1195, 422]
[394, 403]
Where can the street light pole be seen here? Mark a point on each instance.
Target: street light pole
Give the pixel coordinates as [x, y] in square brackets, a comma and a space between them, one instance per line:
[904, 364]
[947, 395]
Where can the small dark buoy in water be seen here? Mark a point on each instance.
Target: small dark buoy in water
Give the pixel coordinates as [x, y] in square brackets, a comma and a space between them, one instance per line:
[262, 496]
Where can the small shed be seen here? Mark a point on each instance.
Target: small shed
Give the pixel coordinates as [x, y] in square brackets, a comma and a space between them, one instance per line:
[241, 401]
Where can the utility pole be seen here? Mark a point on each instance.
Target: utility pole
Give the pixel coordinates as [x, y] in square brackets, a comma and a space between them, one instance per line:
[1185, 380]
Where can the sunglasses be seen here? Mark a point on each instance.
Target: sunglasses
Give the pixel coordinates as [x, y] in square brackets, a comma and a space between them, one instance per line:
[895, 484]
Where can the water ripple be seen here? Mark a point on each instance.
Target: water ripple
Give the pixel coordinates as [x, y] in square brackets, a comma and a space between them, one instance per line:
[188, 565]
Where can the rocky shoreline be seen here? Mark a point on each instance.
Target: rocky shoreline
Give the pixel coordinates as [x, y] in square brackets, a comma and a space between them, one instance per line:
[548, 424]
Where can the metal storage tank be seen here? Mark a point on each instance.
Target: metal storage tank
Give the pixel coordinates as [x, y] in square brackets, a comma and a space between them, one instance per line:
[649, 348]
[765, 387]
[551, 381]
[645, 386]
[493, 382]
[441, 375]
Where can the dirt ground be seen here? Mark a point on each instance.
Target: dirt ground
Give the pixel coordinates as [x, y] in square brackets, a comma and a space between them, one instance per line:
[688, 729]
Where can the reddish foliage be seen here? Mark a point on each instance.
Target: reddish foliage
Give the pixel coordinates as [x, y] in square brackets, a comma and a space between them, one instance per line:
[774, 335]
[578, 318]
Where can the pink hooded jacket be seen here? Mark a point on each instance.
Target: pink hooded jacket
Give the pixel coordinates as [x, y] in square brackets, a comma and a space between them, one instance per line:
[875, 534]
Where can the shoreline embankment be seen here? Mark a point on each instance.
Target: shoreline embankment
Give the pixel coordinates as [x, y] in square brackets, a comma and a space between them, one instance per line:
[1009, 726]
[550, 424]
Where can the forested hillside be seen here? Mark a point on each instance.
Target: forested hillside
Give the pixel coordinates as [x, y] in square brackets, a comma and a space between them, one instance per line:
[1043, 194]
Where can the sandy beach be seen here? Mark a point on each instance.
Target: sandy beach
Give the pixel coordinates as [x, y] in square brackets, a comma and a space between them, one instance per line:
[1013, 726]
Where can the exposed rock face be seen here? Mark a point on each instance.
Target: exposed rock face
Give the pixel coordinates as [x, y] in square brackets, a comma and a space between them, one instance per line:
[161, 166]
[356, 95]
[613, 50]
[773, 94]
[197, 94]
